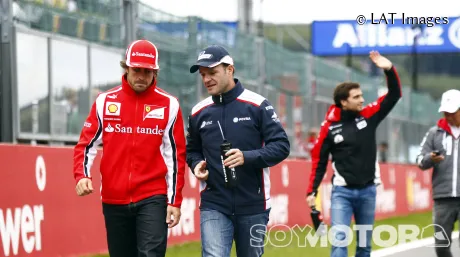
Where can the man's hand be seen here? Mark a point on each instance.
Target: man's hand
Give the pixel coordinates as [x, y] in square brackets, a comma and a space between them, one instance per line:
[311, 200]
[175, 212]
[380, 61]
[201, 173]
[436, 158]
[235, 158]
[84, 187]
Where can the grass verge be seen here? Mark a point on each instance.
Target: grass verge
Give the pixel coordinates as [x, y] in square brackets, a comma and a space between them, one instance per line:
[292, 248]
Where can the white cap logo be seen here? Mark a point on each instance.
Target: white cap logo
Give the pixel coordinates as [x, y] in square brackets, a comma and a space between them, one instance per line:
[204, 55]
[143, 54]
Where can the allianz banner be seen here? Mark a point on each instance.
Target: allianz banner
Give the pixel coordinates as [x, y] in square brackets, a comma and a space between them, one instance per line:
[388, 34]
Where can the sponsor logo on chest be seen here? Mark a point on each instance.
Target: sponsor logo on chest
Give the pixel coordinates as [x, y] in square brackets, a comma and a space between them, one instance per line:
[112, 108]
[118, 128]
[361, 124]
[206, 123]
[153, 112]
[236, 119]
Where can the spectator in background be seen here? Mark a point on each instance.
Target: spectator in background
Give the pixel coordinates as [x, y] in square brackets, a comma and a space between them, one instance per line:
[440, 151]
[311, 139]
[74, 119]
[383, 152]
[304, 146]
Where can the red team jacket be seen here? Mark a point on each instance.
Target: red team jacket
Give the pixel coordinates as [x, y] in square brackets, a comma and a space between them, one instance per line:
[143, 145]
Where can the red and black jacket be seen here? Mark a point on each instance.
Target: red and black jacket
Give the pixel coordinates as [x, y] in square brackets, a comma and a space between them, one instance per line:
[350, 138]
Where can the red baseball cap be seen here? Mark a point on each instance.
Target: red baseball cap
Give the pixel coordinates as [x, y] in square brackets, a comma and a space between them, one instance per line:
[142, 54]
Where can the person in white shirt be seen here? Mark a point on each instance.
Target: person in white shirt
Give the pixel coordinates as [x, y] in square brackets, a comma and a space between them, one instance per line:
[440, 151]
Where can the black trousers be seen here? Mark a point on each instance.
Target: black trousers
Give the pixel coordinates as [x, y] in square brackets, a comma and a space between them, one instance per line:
[446, 212]
[138, 229]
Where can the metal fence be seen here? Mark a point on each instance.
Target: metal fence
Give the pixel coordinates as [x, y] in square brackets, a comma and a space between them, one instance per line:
[64, 58]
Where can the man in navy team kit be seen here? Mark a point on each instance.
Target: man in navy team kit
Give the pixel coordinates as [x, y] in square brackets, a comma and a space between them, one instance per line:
[249, 122]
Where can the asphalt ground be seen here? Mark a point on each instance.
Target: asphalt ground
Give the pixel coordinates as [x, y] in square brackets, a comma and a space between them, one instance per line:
[419, 248]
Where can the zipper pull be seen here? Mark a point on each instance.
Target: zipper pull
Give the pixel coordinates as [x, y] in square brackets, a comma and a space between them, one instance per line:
[221, 98]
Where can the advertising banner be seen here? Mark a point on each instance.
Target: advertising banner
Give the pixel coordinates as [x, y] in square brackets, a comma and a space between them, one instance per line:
[41, 215]
[387, 33]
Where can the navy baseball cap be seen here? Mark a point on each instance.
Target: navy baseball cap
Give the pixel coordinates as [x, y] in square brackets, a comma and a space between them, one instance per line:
[211, 57]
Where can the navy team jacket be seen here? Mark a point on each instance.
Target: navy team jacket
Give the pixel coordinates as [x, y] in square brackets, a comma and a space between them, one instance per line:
[251, 124]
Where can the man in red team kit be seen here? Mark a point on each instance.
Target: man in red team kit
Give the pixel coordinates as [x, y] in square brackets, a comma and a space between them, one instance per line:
[348, 135]
[143, 164]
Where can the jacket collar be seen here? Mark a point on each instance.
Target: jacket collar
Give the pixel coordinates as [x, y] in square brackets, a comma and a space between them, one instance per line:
[128, 90]
[230, 95]
[335, 114]
[442, 124]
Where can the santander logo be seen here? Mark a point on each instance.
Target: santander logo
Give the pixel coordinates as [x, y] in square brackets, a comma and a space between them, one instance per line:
[143, 54]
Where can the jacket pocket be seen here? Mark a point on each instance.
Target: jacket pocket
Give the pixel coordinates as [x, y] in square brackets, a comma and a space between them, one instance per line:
[442, 180]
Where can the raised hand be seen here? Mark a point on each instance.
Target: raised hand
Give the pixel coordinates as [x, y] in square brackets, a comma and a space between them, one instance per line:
[380, 61]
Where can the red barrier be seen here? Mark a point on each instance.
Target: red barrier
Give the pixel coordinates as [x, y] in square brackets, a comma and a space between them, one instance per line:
[41, 215]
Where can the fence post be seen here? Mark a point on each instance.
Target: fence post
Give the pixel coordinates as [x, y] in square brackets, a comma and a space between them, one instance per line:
[35, 125]
[349, 76]
[130, 20]
[193, 48]
[6, 71]
[51, 101]
[260, 46]
[312, 89]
